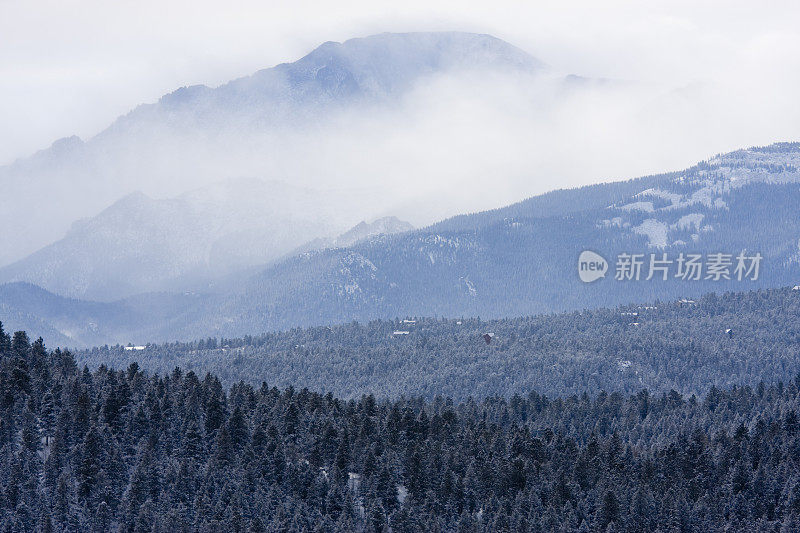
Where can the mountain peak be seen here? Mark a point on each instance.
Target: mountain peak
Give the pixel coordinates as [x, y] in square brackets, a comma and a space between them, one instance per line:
[393, 59]
[440, 49]
[381, 64]
[389, 225]
[132, 200]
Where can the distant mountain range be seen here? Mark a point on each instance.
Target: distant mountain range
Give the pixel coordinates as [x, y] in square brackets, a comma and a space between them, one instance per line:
[518, 260]
[258, 125]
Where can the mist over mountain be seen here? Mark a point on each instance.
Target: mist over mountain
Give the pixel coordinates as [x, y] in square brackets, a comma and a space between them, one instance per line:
[430, 125]
[295, 122]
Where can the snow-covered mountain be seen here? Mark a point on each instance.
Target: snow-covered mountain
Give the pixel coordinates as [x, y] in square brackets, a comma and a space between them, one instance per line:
[287, 123]
[681, 212]
[522, 259]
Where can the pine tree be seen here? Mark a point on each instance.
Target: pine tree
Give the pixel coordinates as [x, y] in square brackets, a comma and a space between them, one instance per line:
[5, 341]
[609, 511]
[89, 463]
[47, 417]
[238, 430]
[192, 446]
[102, 518]
[21, 345]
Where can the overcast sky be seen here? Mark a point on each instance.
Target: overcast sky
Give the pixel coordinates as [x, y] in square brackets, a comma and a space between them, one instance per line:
[71, 66]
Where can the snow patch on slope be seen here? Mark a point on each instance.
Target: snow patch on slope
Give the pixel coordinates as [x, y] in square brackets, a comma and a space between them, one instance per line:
[647, 207]
[655, 231]
[673, 198]
[689, 222]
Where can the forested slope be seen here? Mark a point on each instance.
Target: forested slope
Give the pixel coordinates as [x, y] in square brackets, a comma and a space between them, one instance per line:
[127, 451]
[660, 346]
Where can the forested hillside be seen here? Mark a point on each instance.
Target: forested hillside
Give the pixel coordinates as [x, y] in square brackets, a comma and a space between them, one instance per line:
[124, 450]
[660, 346]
